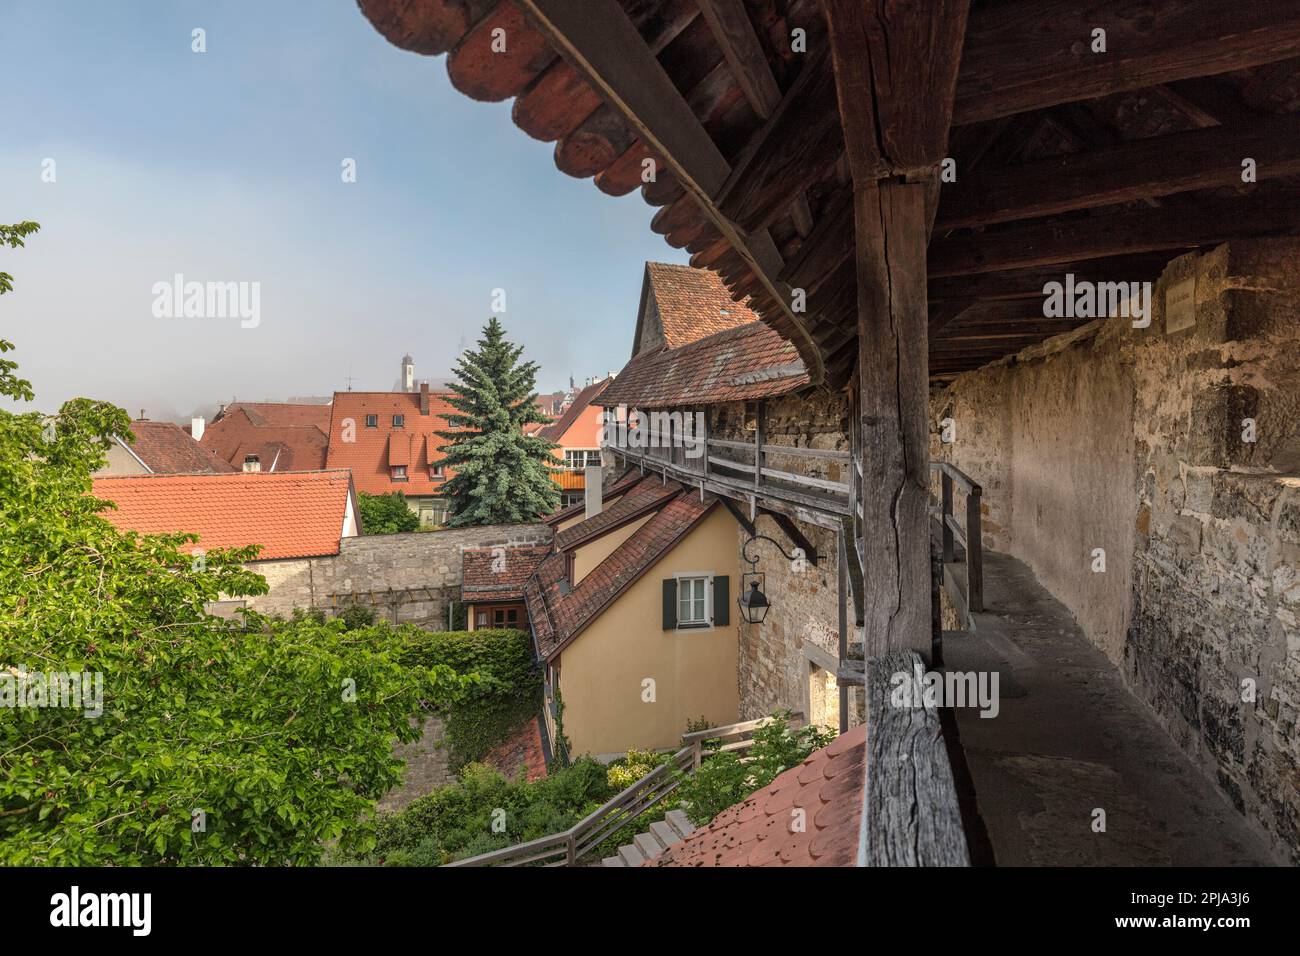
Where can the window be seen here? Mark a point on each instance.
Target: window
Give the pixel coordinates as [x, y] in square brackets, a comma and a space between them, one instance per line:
[372, 421]
[692, 602]
[399, 473]
[505, 617]
[399, 421]
[579, 458]
[435, 471]
[480, 619]
[252, 463]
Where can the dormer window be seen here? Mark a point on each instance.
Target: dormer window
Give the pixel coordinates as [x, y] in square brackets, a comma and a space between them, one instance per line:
[435, 471]
[399, 473]
[372, 421]
[399, 421]
[252, 463]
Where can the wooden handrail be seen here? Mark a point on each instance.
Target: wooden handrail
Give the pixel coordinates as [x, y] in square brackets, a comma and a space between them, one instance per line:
[566, 847]
[968, 534]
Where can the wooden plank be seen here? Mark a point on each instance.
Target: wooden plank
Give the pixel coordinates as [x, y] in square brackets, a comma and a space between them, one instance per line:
[1028, 283]
[1157, 166]
[798, 451]
[600, 42]
[1030, 54]
[912, 817]
[1183, 226]
[837, 487]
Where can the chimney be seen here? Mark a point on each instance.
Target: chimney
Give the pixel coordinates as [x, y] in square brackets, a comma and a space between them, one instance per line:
[594, 490]
[424, 398]
[196, 428]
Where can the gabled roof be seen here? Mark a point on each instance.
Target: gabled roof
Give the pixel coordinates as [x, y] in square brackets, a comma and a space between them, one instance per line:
[165, 448]
[559, 611]
[690, 304]
[286, 439]
[642, 497]
[491, 574]
[291, 514]
[759, 831]
[554, 431]
[368, 451]
[263, 414]
[625, 481]
[746, 363]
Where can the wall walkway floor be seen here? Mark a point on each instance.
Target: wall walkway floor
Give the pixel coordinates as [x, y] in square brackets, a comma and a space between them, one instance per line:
[1070, 739]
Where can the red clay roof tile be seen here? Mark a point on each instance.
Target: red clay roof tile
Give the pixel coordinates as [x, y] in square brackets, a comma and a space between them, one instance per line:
[286, 439]
[761, 830]
[490, 575]
[291, 514]
[366, 454]
[693, 303]
[167, 449]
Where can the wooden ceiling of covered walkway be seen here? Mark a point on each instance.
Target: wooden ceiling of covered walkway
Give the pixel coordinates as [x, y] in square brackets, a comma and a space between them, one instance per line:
[1102, 164]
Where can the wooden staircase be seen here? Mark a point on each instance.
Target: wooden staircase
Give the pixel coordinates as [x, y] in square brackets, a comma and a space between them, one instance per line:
[662, 834]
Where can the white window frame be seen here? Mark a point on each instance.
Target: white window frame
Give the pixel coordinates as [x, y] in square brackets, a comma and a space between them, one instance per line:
[707, 578]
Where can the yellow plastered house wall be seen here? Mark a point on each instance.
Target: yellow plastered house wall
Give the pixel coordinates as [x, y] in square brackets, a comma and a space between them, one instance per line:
[581, 517]
[587, 557]
[694, 670]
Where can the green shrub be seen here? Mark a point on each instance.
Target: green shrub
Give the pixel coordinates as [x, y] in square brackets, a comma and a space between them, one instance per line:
[386, 514]
[484, 811]
[507, 694]
[725, 779]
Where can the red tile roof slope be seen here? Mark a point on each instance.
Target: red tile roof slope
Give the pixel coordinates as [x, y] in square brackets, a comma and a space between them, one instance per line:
[368, 454]
[479, 582]
[828, 787]
[559, 613]
[554, 431]
[263, 414]
[291, 514]
[278, 444]
[167, 449]
[641, 497]
[693, 303]
[621, 484]
[740, 364]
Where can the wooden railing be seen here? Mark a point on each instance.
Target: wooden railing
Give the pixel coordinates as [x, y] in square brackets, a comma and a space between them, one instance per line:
[622, 810]
[967, 533]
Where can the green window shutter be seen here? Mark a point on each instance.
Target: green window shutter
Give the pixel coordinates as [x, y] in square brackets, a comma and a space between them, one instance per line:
[670, 604]
[721, 600]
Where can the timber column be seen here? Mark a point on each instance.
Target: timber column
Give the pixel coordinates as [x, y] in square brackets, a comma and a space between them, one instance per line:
[895, 75]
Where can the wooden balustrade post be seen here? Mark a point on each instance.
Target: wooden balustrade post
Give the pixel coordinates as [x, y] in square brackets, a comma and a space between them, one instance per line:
[974, 551]
[759, 438]
[945, 481]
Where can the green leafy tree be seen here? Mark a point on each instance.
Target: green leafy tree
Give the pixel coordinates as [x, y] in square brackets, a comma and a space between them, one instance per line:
[501, 476]
[207, 742]
[386, 514]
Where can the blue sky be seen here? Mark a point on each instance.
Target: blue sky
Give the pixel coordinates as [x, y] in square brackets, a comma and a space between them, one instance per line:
[225, 166]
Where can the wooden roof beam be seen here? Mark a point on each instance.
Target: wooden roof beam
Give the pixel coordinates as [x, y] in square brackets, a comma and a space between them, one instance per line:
[1185, 226]
[1030, 54]
[599, 40]
[735, 34]
[1140, 169]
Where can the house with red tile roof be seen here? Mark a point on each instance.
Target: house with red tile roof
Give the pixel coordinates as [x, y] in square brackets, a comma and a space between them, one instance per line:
[390, 442]
[492, 585]
[632, 618]
[265, 436]
[577, 437]
[289, 514]
[680, 304]
[160, 448]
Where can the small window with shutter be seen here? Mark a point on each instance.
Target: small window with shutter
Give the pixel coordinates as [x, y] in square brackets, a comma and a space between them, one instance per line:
[696, 600]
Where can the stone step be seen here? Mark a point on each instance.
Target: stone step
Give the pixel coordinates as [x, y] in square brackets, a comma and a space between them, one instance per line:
[680, 822]
[631, 856]
[648, 845]
[612, 861]
[665, 833]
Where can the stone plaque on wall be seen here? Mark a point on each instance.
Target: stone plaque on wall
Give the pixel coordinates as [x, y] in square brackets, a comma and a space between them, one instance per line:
[1180, 305]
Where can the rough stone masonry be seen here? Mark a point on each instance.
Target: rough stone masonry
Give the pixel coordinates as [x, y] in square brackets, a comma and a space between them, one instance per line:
[1173, 453]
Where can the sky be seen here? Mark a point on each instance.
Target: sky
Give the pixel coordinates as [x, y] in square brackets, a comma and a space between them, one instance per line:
[227, 166]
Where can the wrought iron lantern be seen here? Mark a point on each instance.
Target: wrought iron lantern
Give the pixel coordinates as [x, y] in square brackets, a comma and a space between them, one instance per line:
[754, 604]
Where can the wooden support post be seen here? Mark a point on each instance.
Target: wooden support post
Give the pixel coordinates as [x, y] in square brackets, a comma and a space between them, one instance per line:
[705, 439]
[894, 418]
[841, 587]
[759, 438]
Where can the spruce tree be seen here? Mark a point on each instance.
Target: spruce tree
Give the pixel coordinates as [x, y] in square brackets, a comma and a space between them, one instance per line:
[501, 475]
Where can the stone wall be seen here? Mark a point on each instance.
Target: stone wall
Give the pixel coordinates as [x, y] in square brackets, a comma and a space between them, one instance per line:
[801, 630]
[1177, 451]
[405, 578]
